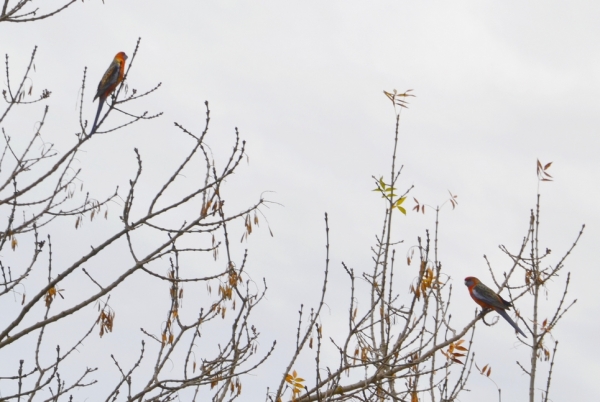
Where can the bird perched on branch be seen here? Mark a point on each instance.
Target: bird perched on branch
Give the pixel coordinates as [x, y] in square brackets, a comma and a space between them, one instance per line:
[488, 299]
[111, 78]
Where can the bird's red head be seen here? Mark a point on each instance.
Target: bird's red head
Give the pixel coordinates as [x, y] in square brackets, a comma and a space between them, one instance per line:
[121, 56]
[471, 281]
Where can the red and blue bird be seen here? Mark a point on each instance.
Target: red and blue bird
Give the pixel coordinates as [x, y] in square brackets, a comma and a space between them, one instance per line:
[488, 299]
[111, 78]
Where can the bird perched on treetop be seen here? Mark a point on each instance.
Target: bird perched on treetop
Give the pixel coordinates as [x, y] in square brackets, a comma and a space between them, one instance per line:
[111, 78]
[488, 299]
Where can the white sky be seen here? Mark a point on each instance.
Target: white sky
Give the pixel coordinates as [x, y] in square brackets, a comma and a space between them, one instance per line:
[498, 85]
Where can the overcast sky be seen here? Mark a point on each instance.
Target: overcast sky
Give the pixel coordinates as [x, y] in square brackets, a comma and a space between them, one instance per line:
[498, 85]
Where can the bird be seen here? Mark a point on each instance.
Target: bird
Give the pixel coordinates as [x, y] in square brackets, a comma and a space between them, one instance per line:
[488, 299]
[111, 78]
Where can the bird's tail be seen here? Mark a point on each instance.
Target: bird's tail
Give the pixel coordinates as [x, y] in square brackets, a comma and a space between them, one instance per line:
[510, 321]
[100, 105]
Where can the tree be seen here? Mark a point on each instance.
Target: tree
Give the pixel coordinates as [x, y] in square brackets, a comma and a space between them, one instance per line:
[41, 193]
[403, 346]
